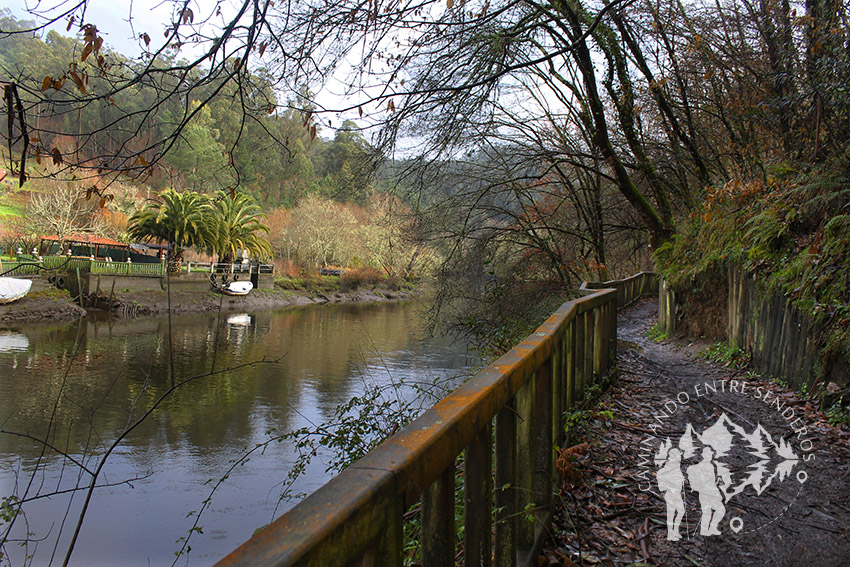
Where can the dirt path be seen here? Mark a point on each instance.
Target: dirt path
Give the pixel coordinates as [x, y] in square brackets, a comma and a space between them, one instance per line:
[773, 472]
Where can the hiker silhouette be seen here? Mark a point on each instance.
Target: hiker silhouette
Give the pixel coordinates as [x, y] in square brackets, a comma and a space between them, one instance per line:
[671, 482]
[702, 477]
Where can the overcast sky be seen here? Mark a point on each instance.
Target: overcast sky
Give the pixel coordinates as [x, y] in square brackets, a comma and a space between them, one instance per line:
[113, 19]
[110, 16]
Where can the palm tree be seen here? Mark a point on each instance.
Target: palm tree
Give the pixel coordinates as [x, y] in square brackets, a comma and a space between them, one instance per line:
[181, 219]
[238, 222]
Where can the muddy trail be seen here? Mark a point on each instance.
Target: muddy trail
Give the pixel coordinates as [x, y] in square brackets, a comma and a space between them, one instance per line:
[686, 462]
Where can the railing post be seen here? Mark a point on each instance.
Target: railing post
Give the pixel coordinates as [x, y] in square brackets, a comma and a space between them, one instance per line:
[571, 364]
[478, 513]
[525, 460]
[506, 492]
[557, 388]
[438, 521]
[388, 548]
[587, 378]
[600, 346]
[543, 446]
[612, 335]
[578, 358]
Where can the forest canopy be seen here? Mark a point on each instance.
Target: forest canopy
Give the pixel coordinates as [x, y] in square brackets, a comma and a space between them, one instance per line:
[575, 133]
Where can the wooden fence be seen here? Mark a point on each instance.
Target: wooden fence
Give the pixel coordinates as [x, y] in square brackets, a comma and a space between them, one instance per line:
[507, 419]
[228, 268]
[15, 268]
[156, 269]
[629, 290]
[779, 338]
[86, 265]
[101, 267]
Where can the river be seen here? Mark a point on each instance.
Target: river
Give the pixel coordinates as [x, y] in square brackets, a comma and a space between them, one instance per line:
[80, 385]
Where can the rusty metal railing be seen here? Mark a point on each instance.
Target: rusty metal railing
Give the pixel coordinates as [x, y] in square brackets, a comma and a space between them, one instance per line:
[507, 419]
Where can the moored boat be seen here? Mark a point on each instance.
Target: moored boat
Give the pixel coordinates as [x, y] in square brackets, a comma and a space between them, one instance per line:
[236, 288]
[12, 289]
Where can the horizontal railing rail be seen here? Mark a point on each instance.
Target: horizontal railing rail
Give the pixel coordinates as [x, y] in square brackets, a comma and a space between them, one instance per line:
[65, 263]
[46, 263]
[505, 420]
[229, 267]
[629, 289]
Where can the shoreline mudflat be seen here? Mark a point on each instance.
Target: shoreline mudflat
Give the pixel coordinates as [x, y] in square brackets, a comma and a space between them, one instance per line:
[54, 306]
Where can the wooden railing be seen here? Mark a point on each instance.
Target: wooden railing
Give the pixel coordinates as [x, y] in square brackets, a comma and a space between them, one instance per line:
[629, 290]
[221, 268]
[65, 263]
[507, 419]
[14, 268]
[127, 268]
[157, 269]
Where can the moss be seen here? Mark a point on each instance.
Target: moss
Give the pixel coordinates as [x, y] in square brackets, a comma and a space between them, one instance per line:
[51, 292]
[792, 233]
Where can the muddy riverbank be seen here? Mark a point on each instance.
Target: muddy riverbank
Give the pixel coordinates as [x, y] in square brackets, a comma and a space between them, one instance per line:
[54, 305]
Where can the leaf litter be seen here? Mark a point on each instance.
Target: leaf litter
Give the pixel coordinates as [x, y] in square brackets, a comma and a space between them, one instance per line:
[607, 515]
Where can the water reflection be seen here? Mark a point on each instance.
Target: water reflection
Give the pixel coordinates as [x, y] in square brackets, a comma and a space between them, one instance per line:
[85, 383]
[10, 341]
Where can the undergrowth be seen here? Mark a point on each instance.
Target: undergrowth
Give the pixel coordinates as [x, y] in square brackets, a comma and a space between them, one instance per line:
[353, 280]
[727, 355]
[657, 333]
[838, 413]
[577, 419]
[790, 231]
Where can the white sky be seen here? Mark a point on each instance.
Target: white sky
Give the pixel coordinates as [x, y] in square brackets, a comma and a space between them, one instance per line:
[113, 19]
[110, 17]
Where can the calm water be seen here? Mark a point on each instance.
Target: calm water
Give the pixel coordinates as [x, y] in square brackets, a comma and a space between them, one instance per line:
[80, 385]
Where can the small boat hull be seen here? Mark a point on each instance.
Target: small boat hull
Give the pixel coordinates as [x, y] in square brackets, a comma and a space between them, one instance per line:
[12, 289]
[236, 288]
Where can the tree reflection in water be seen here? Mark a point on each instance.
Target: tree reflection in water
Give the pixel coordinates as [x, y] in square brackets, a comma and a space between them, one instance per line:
[80, 385]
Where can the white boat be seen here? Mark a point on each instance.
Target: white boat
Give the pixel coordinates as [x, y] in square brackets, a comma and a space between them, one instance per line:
[236, 288]
[13, 288]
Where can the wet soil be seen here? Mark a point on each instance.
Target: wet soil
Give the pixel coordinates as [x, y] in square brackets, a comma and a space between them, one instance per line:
[52, 305]
[40, 307]
[788, 486]
[157, 302]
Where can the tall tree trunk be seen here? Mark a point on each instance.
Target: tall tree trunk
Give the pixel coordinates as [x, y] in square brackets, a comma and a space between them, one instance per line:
[174, 259]
[822, 52]
[624, 102]
[664, 105]
[781, 60]
[600, 136]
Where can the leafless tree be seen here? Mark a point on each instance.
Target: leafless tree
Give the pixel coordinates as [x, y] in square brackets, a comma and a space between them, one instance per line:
[63, 211]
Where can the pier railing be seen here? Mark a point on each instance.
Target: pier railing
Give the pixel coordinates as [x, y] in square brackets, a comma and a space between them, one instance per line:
[15, 268]
[505, 422]
[155, 269]
[109, 268]
[87, 265]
